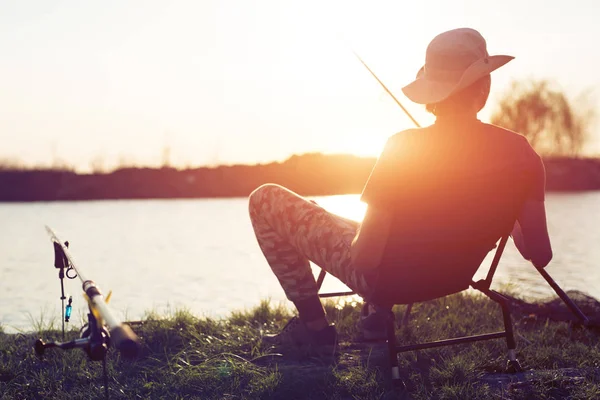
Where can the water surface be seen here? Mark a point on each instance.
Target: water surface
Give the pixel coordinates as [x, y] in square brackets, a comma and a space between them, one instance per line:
[201, 254]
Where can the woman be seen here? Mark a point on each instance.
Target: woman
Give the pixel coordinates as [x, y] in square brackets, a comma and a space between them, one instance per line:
[454, 84]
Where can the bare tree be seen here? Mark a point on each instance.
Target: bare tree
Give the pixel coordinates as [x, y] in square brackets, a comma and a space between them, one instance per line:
[166, 156]
[126, 161]
[12, 164]
[98, 164]
[552, 123]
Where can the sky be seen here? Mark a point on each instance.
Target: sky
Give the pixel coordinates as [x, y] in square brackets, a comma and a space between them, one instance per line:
[97, 84]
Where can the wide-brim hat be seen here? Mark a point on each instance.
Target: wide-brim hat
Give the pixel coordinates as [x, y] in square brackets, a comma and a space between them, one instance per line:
[454, 60]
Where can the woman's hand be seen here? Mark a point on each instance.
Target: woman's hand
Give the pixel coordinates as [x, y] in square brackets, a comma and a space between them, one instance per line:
[366, 251]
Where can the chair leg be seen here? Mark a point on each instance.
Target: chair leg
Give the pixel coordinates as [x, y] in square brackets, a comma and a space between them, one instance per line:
[393, 354]
[321, 278]
[513, 364]
[564, 297]
[406, 316]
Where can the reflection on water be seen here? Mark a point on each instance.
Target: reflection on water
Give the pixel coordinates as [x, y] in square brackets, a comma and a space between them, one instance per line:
[202, 255]
[347, 206]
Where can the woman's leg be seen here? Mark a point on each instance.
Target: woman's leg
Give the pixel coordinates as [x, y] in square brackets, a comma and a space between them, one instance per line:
[291, 231]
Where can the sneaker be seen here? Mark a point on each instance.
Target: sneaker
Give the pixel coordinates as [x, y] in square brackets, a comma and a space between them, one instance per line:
[373, 324]
[296, 334]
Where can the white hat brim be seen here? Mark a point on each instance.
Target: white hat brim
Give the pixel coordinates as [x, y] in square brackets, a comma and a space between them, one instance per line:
[426, 91]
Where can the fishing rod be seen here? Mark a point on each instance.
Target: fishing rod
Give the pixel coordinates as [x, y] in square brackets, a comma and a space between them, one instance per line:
[387, 90]
[103, 328]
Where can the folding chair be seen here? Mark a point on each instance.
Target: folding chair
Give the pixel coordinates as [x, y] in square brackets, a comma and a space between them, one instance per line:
[469, 216]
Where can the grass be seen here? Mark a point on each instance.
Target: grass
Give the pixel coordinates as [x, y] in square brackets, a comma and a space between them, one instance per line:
[185, 357]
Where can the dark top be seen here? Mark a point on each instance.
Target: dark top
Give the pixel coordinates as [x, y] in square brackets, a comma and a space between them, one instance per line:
[453, 189]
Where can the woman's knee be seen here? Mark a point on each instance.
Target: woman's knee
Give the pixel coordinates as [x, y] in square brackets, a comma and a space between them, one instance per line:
[262, 194]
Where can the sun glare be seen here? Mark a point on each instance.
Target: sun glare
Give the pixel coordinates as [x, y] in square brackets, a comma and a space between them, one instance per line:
[362, 146]
[347, 206]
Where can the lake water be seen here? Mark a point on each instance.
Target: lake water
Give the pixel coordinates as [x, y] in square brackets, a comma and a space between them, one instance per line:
[201, 255]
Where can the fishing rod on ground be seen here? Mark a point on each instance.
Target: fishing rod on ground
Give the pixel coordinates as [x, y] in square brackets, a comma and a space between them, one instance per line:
[103, 328]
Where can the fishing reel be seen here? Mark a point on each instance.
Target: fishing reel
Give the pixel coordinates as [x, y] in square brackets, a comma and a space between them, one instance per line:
[94, 339]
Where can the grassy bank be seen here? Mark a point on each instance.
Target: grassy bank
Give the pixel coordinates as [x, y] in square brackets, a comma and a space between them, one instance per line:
[185, 357]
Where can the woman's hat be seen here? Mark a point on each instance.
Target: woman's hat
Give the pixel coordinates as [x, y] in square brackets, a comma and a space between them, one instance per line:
[454, 60]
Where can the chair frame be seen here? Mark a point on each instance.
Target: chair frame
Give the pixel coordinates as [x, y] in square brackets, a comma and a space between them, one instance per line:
[483, 286]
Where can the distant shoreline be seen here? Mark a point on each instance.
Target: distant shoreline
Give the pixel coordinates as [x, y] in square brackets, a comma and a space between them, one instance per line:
[308, 174]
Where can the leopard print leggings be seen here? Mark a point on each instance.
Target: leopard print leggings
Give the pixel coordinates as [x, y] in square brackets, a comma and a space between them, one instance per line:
[291, 231]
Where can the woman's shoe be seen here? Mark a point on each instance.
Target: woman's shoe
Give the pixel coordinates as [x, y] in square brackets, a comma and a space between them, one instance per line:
[296, 334]
[373, 324]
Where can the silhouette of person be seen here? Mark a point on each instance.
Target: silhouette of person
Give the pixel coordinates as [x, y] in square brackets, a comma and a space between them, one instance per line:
[454, 85]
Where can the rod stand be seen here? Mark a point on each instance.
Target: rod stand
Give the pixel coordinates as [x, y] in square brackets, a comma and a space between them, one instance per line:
[61, 262]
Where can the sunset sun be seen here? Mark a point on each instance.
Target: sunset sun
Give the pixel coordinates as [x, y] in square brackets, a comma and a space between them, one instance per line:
[360, 145]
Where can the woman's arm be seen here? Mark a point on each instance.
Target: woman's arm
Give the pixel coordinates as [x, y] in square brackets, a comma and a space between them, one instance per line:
[517, 236]
[369, 243]
[380, 193]
[530, 234]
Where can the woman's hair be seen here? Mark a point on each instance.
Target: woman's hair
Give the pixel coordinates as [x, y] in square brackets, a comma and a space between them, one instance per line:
[471, 98]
